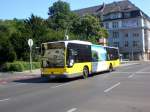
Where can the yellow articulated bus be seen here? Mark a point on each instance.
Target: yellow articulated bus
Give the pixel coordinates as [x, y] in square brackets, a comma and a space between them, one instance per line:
[65, 59]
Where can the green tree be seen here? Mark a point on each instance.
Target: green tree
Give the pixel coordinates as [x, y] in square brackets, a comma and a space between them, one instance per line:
[35, 26]
[59, 7]
[12, 25]
[19, 42]
[6, 49]
[60, 15]
[88, 26]
[4, 31]
[103, 33]
[7, 53]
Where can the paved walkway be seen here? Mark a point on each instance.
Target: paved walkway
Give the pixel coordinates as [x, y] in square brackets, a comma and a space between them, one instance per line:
[10, 76]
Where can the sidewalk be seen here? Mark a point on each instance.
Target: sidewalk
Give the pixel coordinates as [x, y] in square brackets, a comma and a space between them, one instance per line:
[34, 72]
[10, 76]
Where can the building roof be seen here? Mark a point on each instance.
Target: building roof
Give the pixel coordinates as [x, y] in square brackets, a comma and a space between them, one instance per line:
[120, 6]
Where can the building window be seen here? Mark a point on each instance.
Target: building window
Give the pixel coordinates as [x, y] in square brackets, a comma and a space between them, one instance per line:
[116, 44]
[106, 17]
[115, 25]
[127, 14]
[126, 44]
[135, 43]
[126, 35]
[135, 34]
[130, 23]
[115, 34]
[107, 25]
[114, 16]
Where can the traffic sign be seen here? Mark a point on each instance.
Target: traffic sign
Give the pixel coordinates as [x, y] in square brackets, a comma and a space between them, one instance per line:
[30, 42]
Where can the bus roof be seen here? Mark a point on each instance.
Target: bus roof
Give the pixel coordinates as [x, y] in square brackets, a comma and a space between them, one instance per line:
[105, 46]
[111, 47]
[71, 41]
[79, 42]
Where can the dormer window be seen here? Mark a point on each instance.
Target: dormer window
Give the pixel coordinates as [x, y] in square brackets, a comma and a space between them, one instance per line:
[127, 14]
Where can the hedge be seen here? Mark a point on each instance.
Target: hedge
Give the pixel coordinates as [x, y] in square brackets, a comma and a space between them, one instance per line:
[20, 66]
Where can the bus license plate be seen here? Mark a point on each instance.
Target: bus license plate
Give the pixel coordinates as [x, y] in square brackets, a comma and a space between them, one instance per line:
[52, 76]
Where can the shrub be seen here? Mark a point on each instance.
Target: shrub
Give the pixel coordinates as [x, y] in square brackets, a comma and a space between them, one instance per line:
[36, 65]
[15, 66]
[26, 65]
[19, 66]
[5, 67]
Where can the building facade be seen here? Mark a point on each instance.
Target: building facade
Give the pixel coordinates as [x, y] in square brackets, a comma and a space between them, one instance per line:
[128, 27]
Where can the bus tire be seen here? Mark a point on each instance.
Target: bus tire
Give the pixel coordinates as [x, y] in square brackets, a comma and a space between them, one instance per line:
[110, 67]
[85, 72]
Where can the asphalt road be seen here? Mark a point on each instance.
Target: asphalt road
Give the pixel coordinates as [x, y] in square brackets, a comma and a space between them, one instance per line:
[125, 90]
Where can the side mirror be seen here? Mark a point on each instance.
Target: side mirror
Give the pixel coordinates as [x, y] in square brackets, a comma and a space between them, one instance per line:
[71, 57]
[71, 62]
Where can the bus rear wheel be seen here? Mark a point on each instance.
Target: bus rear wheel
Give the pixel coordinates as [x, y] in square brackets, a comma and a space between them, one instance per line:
[85, 72]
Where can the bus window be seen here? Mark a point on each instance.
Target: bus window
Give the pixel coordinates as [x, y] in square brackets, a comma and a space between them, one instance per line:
[82, 53]
[94, 56]
[53, 55]
[98, 53]
[112, 53]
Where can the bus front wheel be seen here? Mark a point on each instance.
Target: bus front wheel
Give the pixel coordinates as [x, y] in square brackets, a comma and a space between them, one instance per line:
[110, 68]
[85, 72]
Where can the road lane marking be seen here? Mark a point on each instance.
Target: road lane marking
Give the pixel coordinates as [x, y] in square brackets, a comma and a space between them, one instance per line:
[138, 72]
[107, 90]
[123, 72]
[60, 85]
[72, 110]
[130, 76]
[128, 64]
[143, 72]
[3, 100]
[19, 84]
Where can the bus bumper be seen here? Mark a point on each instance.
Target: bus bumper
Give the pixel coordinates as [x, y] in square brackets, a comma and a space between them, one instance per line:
[59, 76]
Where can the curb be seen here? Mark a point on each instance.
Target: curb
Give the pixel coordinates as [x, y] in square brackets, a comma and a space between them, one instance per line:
[128, 64]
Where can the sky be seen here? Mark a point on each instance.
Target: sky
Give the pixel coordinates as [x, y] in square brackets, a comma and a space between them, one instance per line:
[22, 9]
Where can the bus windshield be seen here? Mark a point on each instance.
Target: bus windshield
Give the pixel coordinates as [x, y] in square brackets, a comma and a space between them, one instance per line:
[53, 54]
